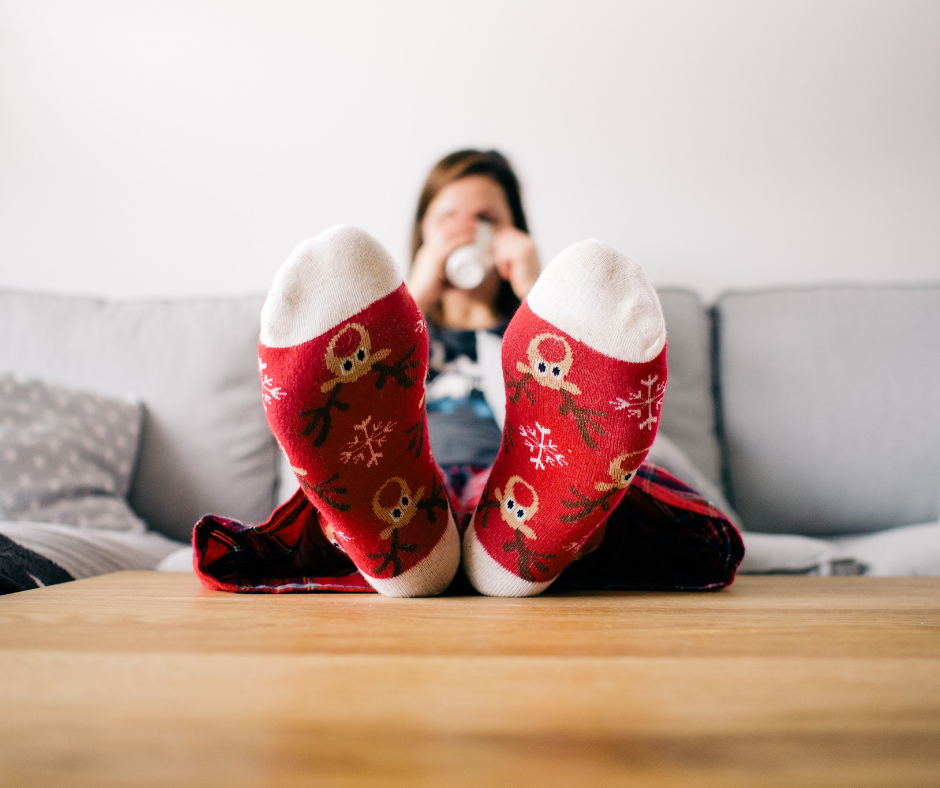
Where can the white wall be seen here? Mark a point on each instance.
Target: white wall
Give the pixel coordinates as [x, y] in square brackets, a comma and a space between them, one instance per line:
[177, 148]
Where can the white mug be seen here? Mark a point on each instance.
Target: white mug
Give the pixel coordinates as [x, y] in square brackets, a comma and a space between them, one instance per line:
[468, 265]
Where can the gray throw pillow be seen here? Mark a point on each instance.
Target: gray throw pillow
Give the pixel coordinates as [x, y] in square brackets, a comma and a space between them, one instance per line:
[66, 456]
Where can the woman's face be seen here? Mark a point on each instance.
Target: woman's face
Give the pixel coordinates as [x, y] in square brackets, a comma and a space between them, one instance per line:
[461, 204]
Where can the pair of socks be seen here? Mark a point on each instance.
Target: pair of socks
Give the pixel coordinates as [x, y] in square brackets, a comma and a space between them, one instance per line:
[343, 357]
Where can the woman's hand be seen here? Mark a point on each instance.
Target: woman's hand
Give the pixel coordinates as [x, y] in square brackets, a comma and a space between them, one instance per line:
[516, 260]
[426, 279]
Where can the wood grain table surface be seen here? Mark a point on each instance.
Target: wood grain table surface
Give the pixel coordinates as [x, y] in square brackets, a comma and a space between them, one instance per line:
[147, 679]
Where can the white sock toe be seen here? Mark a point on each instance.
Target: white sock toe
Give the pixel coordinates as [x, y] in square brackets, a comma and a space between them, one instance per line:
[326, 280]
[601, 297]
[488, 577]
[430, 577]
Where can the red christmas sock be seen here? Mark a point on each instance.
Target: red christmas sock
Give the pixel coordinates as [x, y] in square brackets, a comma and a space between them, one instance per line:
[584, 361]
[343, 359]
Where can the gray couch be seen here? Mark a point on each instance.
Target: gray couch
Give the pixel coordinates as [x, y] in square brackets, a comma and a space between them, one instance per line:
[813, 412]
[817, 411]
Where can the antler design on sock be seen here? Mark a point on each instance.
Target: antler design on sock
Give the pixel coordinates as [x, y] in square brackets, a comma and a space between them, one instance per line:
[323, 490]
[516, 388]
[527, 557]
[486, 505]
[586, 505]
[322, 417]
[397, 371]
[392, 557]
[416, 443]
[436, 500]
[585, 419]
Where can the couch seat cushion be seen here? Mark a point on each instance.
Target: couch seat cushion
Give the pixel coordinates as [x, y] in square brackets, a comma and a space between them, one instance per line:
[830, 406]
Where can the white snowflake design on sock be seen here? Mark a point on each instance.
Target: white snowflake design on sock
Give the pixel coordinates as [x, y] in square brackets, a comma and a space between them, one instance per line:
[548, 453]
[268, 390]
[364, 447]
[651, 399]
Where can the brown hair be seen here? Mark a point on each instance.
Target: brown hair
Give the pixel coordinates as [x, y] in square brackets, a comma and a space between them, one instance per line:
[459, 165]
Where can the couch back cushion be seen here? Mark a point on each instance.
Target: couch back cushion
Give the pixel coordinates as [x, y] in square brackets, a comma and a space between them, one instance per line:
[688, 414]
[830, 407]
[205, 444]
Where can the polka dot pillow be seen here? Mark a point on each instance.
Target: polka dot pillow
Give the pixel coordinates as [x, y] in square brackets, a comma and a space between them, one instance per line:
[66, 456]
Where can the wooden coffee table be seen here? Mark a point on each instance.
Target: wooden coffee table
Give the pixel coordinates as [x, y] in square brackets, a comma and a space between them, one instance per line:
[144, 678]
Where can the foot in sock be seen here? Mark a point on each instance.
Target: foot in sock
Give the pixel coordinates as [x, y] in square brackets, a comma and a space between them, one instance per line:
[343, 358]
[584, 361]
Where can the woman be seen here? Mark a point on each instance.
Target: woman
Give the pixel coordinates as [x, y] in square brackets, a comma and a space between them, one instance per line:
[464, 189]
[541, 413]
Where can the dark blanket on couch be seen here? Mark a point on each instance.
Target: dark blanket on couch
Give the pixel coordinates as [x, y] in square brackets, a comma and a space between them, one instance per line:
[662, 536]
[22, 569]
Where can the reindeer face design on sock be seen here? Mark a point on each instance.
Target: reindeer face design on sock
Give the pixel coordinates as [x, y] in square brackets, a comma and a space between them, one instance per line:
[621, 477]
[349, 366]
[545, 372]
[399, 512]
[514, 513]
